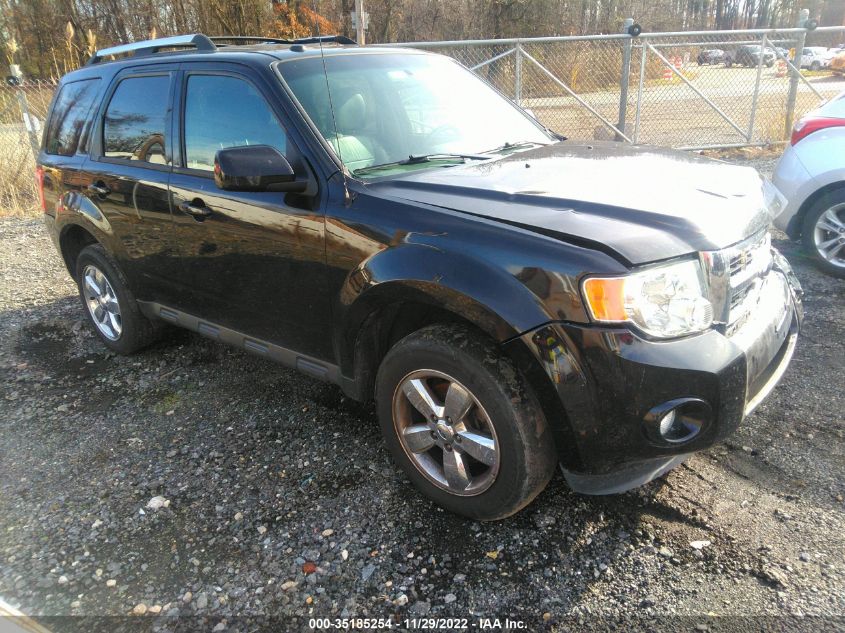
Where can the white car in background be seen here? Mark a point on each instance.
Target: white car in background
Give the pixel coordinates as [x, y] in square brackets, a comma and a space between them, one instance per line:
[816, 57]
[811, 174]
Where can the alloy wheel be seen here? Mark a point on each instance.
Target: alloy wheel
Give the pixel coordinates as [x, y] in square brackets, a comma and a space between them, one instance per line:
[829, 235]
[445, 432]
[102, 302]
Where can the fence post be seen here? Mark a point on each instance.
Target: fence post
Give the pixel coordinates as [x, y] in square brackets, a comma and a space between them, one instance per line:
[643, 48]
[763, 44]
[30, 122]
[625, 79]
[518, 78]
[794, 76]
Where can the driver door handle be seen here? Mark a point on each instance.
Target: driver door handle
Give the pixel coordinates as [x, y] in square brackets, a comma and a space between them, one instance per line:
[196, 208]
[99, 189]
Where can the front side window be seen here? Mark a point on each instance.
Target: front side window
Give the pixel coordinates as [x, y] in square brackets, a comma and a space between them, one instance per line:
[388, 107]
[136, 120]
[70, 114]
[223, 111]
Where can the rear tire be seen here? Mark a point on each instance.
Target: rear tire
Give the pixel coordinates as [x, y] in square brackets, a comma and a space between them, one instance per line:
[109, 304]
[496, 404]
[823, 232]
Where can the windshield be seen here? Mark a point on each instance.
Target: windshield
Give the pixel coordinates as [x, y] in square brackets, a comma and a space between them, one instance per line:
[392, 107]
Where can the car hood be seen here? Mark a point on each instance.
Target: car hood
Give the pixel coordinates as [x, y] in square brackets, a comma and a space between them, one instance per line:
[640, 203]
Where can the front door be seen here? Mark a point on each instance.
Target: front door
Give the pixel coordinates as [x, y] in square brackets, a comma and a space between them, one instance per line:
[252, 261]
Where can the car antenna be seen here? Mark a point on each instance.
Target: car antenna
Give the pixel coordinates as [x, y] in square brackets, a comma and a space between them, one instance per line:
[346, 196]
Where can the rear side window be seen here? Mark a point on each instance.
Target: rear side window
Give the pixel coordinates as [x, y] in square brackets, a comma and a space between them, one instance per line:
[223, 111]
[135, 121]
[70, 114]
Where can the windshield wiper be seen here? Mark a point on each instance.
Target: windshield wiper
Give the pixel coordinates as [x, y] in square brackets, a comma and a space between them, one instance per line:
[416, 159]
[424, 158]
[515, 145]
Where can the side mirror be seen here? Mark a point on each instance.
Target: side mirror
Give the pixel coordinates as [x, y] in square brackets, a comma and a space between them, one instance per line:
[255, 168]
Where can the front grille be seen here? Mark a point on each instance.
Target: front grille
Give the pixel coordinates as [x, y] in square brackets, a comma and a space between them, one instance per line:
[739, 296]
[748, 263]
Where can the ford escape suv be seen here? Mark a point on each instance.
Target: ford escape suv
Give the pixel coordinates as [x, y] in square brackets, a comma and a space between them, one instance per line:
[384, 220]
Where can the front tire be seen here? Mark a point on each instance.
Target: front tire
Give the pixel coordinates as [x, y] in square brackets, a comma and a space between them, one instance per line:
[110, 305]
[462, 423]
[823, 232]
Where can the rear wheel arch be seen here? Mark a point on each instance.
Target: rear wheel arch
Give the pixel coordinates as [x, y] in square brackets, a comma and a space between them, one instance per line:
[72, 240]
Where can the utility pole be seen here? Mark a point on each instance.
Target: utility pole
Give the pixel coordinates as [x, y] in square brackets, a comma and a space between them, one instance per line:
[359, 22]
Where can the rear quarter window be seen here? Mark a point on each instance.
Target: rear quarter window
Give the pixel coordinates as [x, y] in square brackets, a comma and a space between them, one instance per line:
[71, 112]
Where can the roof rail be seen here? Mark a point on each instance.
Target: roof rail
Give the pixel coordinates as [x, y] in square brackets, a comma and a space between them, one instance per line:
[244, 39]
[150, 47]
[325, 39]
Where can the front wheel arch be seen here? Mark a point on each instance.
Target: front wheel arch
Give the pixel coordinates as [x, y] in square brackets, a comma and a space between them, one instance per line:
[795, 229]
[831, 200]
[391, 311]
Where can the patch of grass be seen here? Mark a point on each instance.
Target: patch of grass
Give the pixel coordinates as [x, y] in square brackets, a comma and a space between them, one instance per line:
[18, 192]
[168, 402]
[824, 72]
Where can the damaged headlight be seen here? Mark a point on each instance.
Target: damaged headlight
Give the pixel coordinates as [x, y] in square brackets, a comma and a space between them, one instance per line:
[663, 301]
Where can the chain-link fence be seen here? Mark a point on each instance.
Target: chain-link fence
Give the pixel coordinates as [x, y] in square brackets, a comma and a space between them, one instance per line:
[23, 110]
[687, 89]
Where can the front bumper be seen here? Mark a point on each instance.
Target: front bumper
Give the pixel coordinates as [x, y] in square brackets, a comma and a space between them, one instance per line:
[610, 380]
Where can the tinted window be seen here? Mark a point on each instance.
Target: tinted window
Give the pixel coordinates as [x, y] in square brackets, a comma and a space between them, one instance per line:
[135, 120]
[223, 111]
[70, 114]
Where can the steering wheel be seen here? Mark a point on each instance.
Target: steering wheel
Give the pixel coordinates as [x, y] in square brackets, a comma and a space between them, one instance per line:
[441, 131]
[147, 147]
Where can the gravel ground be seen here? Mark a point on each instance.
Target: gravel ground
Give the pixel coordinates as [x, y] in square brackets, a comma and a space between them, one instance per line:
[197, 481]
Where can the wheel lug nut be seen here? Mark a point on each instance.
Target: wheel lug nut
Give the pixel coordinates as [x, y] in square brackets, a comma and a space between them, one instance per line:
[448, 447]
[457, 438]
[433, 435]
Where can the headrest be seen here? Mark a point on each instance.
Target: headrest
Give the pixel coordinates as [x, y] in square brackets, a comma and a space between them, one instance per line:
[352, 114]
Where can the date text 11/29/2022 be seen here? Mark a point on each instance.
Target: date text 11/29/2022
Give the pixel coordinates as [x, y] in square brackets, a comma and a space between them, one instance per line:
[419, 624]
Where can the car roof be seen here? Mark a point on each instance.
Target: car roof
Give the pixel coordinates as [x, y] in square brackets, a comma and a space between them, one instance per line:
[257, 55]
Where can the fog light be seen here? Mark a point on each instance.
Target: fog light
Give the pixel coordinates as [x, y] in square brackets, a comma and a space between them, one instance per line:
[677, 421]
[673, 428]
[667, 422]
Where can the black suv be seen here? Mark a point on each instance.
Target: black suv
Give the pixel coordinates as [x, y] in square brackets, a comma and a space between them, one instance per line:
[749, 55]
[384, 220]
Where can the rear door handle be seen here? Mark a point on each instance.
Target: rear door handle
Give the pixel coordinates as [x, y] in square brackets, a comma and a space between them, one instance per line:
[196, 208]
[99, 189]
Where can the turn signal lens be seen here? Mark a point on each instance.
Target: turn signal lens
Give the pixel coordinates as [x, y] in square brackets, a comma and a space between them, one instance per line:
[606, 298]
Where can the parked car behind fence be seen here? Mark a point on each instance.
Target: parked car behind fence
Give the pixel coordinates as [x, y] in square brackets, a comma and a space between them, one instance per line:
[711, 56]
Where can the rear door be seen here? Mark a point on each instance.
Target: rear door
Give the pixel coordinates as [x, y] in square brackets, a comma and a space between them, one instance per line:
[63, 154]
[127, 176]
[253, 262]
